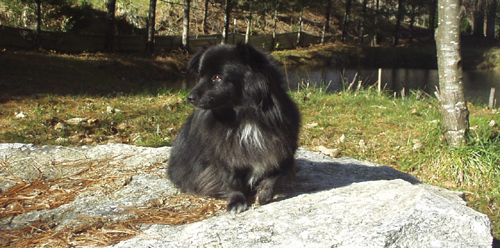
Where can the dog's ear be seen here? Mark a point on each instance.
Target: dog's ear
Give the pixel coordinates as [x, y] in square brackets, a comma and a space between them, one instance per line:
[251, 54]
[194, 63]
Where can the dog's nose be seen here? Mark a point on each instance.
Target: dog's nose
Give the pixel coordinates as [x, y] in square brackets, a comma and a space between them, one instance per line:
[191, 98]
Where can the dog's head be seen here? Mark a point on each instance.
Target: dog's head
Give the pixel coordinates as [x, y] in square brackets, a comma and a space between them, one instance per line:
[230, 76]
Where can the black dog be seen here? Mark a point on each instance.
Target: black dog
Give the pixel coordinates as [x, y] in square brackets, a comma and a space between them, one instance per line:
[242, 137]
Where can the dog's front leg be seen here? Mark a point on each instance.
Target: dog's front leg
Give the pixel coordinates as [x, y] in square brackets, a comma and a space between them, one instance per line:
[237, 191]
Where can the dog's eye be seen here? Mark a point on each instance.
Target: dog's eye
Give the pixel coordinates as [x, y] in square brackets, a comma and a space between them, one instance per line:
[216, 79]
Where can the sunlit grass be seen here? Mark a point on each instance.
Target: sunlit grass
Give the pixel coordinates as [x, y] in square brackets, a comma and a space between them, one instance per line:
[150, 120]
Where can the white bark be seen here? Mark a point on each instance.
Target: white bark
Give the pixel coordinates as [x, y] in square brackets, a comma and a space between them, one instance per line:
[453, 103]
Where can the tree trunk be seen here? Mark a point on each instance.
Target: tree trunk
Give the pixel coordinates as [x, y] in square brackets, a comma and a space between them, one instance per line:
[432, 16]
[249, 23]
[345, 29]
[273, 45]
[323, 32]
[452, 96]
[375, 24]
[300, 27]
[328, 15]
[185, 25]
[38, 14]
[151, 27]
[398, 21]
[226, 21]
[110, 26]
[205, 15]
[479, 19]
[363, 21]
[412, 22]
[490, 22]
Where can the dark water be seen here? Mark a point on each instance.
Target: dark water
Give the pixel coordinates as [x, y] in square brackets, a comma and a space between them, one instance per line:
[477, 83]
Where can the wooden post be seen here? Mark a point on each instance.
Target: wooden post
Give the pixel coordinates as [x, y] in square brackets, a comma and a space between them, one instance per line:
[491, 103]
[379, 82]
[234, 32]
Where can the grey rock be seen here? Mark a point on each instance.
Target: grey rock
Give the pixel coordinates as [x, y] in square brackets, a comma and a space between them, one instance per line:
[60, 126]
[20, 115]
[111, 110]
[331, 203]
[28, 162]
[76, 121]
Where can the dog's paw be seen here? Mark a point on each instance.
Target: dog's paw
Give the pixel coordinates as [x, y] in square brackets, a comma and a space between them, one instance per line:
[237, 203]
[264, 196]
[265, 190]
[236, 207]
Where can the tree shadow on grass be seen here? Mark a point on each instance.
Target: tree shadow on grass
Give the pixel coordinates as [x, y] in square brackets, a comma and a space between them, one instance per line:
[36, 73]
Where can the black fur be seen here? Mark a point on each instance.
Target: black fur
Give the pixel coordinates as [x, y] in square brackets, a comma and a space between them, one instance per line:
[242, 137]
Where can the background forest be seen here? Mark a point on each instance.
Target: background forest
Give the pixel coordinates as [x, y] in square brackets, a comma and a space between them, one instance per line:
[361, 20]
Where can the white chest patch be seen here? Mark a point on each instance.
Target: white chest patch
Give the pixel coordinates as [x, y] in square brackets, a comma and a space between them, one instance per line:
[250, 134]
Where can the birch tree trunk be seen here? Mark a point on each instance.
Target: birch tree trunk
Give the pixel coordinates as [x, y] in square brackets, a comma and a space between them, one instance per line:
[185, 25]
[452, 96]
[249, 23]
[273, 45]
[300, 27]
[151, 27]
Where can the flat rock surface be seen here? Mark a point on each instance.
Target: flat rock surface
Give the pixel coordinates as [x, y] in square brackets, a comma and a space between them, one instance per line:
[331, 203]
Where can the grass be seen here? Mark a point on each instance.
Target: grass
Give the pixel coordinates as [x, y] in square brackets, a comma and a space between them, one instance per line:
[145, 119]
[107, 90]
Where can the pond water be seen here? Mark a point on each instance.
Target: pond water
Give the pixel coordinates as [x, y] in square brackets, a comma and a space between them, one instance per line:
[477, 83]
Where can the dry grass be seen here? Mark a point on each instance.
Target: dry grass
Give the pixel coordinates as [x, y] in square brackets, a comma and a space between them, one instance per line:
[98, 231]
[96, 176]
